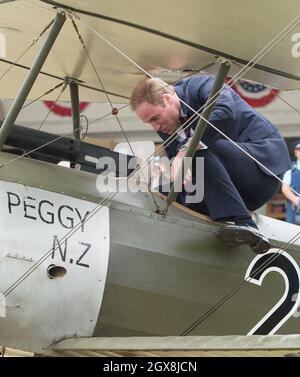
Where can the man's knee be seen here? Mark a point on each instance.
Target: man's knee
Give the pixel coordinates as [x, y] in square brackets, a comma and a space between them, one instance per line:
[205, 162]
[224, 148]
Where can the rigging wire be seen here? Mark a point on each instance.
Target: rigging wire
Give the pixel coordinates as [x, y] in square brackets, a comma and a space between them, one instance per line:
[60, 137]
[70, 233]
[105, 115]
[281, 35]
[95, 210]
[81, 117]
[53, 104]
[43, 95]
[274, 38]
[200, 108]
[276, 93]
[183, 126]
[50, 142]
[77, 227]
[286, 102]
[25, 154]
[238, 288]
[231, 82]
[66, 237]
[247, 67]
[27, 49]
[235, 290]
[114, 111]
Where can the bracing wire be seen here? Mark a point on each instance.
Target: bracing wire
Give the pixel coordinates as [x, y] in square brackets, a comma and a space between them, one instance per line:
[99, 206]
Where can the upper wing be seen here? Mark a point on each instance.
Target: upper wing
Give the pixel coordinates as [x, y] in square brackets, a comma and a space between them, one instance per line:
[158, 36]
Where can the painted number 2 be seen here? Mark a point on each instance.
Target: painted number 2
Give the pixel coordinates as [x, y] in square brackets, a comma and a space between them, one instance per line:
[284, 264]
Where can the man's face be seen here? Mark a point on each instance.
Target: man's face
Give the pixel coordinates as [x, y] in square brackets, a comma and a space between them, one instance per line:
[162, 118]
[297, 153]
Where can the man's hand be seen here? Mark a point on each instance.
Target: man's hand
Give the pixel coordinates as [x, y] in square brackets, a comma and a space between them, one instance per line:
[177, 162]
[296, 201]
[288, 193]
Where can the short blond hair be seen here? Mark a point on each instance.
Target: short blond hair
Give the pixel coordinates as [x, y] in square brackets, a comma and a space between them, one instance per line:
[151, 91]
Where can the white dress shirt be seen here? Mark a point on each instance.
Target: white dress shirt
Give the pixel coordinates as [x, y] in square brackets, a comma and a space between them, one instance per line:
[287, 178]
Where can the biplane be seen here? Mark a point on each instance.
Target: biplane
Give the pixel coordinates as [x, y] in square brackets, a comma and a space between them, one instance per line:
[83, 260]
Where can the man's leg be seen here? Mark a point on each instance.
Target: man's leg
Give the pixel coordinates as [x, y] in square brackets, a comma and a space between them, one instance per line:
[223, 199]
[254, 185]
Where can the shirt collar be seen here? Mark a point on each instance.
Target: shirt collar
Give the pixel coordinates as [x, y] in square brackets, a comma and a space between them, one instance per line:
[181, 136]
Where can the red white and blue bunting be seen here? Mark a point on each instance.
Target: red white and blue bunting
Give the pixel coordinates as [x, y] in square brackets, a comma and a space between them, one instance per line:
[63, 110]
[256, 95]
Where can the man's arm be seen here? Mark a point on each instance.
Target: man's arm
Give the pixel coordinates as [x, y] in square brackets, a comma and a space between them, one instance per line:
[288, 193]
[224, 109]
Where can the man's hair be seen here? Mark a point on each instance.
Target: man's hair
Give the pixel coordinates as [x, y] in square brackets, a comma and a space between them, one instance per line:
[297, 144]
[151, 91]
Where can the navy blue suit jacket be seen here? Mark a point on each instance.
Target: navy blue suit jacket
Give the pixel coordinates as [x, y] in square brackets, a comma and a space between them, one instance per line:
[238, 120]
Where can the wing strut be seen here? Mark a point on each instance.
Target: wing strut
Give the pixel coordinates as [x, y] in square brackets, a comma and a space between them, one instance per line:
[201, 126]
[16, 107]
[75, 108]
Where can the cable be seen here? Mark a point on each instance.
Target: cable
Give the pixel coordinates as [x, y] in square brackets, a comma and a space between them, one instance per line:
[53, 104]
[65, 238]
[46, 144]
[43, 95]
[231, 82]
[230, 294]
[28, 48]
[114, 111]
[98, 207]
[286, 102]
[81, 127]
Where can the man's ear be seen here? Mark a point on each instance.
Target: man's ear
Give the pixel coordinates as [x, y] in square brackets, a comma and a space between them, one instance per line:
[168, 98]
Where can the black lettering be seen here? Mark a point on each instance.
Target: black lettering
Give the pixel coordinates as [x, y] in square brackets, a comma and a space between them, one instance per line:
[88, 246]
[28, 206]
[10, 202]
[70, 226]
[57, 245]
[51, 215]
[285, 308]
[82, 219]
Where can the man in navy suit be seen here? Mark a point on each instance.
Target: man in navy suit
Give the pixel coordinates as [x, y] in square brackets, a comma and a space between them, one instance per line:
[291, 179]
[234, 184]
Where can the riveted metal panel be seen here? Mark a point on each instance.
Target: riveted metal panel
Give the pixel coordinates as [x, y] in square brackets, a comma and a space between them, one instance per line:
[43, 309]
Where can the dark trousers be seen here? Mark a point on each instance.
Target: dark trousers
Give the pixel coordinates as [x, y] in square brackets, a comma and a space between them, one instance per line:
[233, 183]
